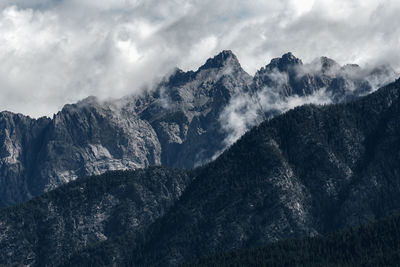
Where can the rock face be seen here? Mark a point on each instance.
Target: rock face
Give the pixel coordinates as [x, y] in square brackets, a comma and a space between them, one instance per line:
[186, 108]
[20, 136]
[82, 139]
[91, 138]
[181, 123]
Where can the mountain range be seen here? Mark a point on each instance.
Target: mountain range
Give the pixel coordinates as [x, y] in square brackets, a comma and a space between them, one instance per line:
[187, 120]
[311, 171]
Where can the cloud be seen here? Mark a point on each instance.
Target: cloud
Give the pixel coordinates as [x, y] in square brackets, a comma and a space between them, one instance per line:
[56, 51]
[246, 111]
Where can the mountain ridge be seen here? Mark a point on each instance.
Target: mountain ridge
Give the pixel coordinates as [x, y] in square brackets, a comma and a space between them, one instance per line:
[186, 121]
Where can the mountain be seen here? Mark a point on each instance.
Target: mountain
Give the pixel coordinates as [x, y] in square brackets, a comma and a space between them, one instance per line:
[311, 171]
[188, 119]
[376, 244]
[48, 229]
[185, 110]
[85, 138]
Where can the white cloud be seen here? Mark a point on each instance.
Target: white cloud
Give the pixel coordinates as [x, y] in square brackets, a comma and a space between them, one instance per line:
[58, 51]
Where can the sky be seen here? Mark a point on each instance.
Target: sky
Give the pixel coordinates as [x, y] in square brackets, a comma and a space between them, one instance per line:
[54, 52]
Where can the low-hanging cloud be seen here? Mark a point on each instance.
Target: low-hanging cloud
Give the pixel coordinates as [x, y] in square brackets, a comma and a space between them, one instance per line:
[246, 111]
[56, 51]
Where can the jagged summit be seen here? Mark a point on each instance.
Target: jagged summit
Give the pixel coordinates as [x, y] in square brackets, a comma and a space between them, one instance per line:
[221, 60]
[351, 67]
[328, 64]
[285, 62]
[180, 77]
[90, 100]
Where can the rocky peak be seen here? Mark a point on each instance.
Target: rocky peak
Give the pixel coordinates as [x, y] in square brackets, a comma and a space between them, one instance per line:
[223, 59]
[222, 72]
[179, 77]
[351, 67]
[88, 100]
[285, 62]
[328, 65]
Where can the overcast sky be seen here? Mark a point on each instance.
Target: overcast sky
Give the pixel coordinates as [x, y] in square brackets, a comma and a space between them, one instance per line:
[54, 52]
